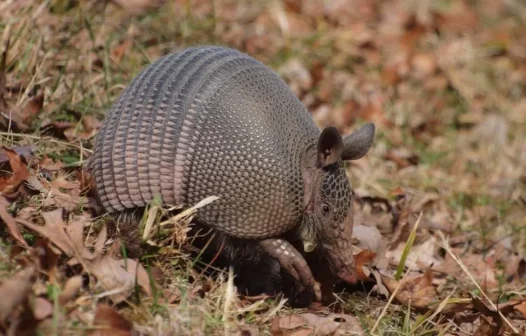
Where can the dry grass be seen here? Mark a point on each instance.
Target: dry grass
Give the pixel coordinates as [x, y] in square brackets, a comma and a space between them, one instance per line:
[443, 81]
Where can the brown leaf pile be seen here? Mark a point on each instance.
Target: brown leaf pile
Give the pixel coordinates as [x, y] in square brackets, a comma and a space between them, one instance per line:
[442, 80]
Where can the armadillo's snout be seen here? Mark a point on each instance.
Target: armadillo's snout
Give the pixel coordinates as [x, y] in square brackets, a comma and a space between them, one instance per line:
[345, 266]
[348, 275]
[342, 262]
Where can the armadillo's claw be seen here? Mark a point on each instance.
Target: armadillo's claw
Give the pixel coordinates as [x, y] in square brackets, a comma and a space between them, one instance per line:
[293, 262]
[317, 290]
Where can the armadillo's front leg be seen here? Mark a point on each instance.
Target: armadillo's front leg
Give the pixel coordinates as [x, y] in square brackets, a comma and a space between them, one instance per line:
[293, 262]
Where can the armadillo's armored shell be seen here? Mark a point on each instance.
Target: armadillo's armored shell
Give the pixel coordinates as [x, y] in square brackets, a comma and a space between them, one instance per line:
[207, 121]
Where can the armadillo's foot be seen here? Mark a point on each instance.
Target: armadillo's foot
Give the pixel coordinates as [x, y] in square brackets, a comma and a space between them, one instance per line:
[293, 262]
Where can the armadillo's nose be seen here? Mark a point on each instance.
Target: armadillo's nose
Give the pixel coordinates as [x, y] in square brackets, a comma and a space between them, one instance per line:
[348, 276]
[344, 265]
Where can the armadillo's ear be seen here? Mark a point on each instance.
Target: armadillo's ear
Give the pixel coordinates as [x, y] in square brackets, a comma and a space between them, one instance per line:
[357, 144]
[330, 146]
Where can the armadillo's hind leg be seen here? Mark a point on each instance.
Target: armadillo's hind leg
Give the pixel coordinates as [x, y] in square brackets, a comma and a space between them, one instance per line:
[127, 225]
[293, 262]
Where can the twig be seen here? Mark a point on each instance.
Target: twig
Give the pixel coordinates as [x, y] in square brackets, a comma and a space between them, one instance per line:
[470, 276]
[391, 298]
[44, 139]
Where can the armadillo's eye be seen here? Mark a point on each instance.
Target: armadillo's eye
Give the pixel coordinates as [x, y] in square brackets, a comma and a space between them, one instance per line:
[325, 208]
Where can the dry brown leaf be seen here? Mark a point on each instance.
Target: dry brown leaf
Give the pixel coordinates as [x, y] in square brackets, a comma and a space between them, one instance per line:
[402, 157]
[25, 151]
[375, 113]
[46, 258]
[418, 290]
[521, 308]
[10, 222]
[68, 200]
[137, 6]
[11, 116]
[71, 288]
[290, 322]
[368, 238]
[420, 257]
[117, 277]
[460, 17]
[33, 108]
[120, 276]
[108, 322]
[481, 268]
[487, 327]
[323, 325]
[312, 324]
[424, 65]
[15, 290]
[361, 259]
[53, 229]
[390, 75]
[20, 173]
[49, 164]
[249, 330]
[61, 182]
[117, 53]
[297, 74]
[42, 308]
[171, 295]
[73, 134]
[91, 123]
[379, 287]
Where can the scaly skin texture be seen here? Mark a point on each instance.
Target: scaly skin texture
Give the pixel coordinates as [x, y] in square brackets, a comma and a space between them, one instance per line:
[214, 121]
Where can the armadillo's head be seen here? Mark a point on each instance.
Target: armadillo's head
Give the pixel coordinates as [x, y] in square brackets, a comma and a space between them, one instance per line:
[328, 219]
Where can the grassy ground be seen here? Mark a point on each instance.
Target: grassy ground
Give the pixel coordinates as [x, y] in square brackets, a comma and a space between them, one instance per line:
[444, 81]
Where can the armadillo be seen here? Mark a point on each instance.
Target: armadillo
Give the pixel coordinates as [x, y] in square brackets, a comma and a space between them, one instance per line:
[213, 121]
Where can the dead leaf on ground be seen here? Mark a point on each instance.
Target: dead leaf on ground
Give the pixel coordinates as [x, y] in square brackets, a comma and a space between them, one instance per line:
[71, 288]
[403, 157]
[117, 277]
[368, 238]
[33, 108]
[42, 308]
[54, 229]
[482, 268]
[249, 330]
[521, 308]
[424, 65]
[49, 164]
[417, 290]
[487, 327]
[91, 123]
[64, 193]
[117, 54]
[11, 116]
[137, 6]
[15, 290]
[10, 222]
[25, 151]
[25, 323]
[379, 287]
[171, 295]
[421, 256]
[20, 173]
[46, 258]
[108, 322]
[460, 17]
[312, 324]
[361, 260]
[297, 74]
